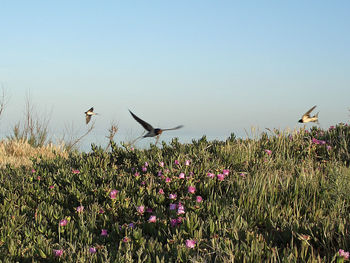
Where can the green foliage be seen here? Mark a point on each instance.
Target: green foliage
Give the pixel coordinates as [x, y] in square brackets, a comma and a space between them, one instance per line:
[285, 198]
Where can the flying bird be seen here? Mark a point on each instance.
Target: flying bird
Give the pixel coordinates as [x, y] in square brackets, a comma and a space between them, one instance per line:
[89, 113]
[306, 117]
[152, 132]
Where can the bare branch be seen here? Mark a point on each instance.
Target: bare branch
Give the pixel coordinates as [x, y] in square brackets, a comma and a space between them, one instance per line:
[3, 99]
[112, 132]
[72, 143]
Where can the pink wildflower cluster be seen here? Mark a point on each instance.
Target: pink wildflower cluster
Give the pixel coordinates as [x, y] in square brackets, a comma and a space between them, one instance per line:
[343, 254]
[113, 194]
[104, 232]
[58, 252]
[180, 209]
[140, 209]
[220, 176]
[190, 243]
[269, 152]
[319, 142]
[176, 221]
[80, 209]
[152, 219]
[199, 199]
[63, 222]
[191, 189]
[172, 196]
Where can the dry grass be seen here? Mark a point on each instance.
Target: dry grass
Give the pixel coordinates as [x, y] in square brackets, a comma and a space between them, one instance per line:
[18, 153]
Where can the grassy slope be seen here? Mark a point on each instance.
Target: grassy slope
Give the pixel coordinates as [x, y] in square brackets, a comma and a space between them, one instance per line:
[288, 206]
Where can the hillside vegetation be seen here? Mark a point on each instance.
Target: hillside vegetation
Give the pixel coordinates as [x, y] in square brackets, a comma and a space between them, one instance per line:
[282, 197]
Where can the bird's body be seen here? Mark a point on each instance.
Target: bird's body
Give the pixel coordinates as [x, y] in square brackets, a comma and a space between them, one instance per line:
[88, 114]
[151, 132]
[307, 118]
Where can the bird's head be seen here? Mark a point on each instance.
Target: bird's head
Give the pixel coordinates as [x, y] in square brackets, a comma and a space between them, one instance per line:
[158, 131]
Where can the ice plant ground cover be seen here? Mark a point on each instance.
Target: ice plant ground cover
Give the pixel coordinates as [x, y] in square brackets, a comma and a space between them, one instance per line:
[278, 198]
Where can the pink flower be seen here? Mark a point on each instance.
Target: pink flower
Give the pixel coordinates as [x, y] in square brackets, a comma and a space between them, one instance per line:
[58, 252]
[172, 196]
[225, 172]
[180, 219]
[51, 186]
[221, 177]
[191, 189]
[343, 254]
[101, 211]
[126, 239]
[104, 232]
[161, 164]
[63, 222]
[161, 191]
[152, 219]
[92, 250]
[181, 175]
[113, 194]
[176, 162]
[180, 209]
[160, 173]
[144, 169]
[137, 174]
[173, 222]
[143, 183]
[167, 180]
[211, 175]
[76, 171]
[146, 164]
[172, 206]
[315, 141]
[187, 162]
[190, 243]
[199, 199]
[329, 147]
[140, 209]
[33, 171]
[268, 152]
[80, 209]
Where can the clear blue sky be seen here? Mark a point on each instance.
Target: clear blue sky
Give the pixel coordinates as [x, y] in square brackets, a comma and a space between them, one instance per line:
[214, 66]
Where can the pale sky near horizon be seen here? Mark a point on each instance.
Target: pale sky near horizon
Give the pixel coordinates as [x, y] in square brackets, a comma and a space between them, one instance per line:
[214, 66]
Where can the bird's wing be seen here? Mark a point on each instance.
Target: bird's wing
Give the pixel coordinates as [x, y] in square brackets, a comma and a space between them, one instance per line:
[144, 124]
[309, 111]
[175, 128]
[88, 118]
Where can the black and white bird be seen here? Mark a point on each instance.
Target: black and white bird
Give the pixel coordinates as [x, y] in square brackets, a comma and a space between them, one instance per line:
[89, 113]
[307, 118]
[151, 132]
